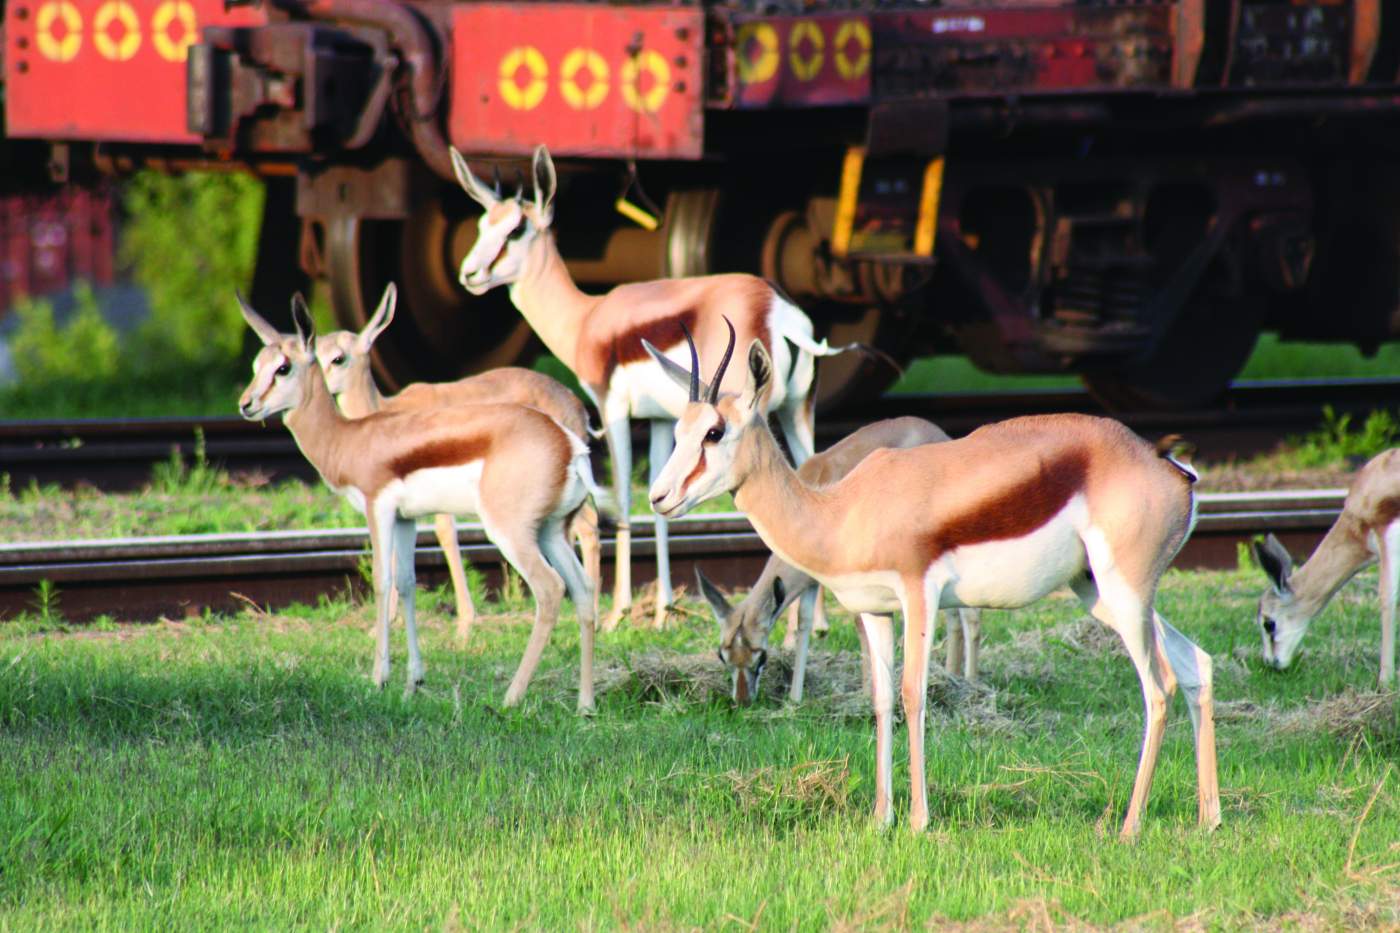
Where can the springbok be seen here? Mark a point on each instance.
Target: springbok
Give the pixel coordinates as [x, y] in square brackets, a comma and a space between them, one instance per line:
[744, 629]
[513, 467]
[599, 338]
[1368, 529]
[996, 519]
[344, 358]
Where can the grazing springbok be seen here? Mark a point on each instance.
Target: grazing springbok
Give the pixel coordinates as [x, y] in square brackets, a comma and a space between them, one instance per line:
[515, 468]
[1368, 529]
[599, 337]
[743, 643]
[996, 519]
[344, 358]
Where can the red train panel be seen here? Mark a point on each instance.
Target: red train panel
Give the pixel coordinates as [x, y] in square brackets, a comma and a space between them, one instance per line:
[104, 69]
[592, 80]
[801, 60]
[47, 241]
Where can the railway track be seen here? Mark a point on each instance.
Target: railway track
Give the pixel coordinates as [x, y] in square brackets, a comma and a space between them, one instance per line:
[138, 579]
[116, 455]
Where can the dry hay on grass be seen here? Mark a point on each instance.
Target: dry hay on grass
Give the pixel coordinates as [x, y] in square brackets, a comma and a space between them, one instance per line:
[1350, 714]
[1029, 653]
[816, 788]
[835, 685]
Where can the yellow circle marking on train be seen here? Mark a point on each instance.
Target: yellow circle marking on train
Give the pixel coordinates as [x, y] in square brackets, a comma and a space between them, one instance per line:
[62, 48]
[756, 70]
[128, 39]
[852, 66]
[172, 12]
[806, 67]
[583, 98]
[650, 61]
[529, 96]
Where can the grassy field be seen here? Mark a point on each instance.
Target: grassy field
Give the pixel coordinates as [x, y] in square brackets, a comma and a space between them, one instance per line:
[242, 772]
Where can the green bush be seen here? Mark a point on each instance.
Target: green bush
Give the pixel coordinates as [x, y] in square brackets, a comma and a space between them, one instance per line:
[1336, 442]
[83, 351]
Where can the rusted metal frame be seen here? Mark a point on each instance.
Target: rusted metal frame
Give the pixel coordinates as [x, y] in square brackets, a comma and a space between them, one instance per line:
[1190, 26]
[415, 40]
[1365, 38]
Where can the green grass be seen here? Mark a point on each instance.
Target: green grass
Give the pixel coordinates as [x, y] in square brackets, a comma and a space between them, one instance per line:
[1272, 359]
[242, 772]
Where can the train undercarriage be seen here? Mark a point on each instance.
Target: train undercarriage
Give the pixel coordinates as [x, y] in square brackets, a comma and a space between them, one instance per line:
[1127, 191]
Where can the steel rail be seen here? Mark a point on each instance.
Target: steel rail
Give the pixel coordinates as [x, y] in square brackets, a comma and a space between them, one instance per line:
[135, 579]
[114, 455]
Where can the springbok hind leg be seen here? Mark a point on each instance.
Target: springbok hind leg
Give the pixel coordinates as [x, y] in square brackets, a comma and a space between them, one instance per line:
[1129, 613]
[1193, 670]
[663, 438]
[521, 548]
[1390, 589]
[561, 557]
[405, 581]
[877, 641]
[445, 528]
[619, 432]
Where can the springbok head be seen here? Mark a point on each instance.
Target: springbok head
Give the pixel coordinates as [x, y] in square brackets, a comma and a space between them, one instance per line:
[280, 368]
[743, 630]
[1282, 619]
[344, 355]
[509, 226]
[702, 465]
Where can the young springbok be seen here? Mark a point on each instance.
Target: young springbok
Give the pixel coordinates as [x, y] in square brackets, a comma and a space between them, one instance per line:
[743, 643]
[1368, 529]
[996, 519]
[514, 467]
[344, 358]
[599, 337]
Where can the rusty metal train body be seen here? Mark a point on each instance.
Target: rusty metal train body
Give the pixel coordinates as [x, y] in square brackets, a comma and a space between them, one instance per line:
[1128, 189]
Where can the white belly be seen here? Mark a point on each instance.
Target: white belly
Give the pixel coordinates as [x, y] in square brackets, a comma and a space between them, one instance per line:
[454, 490]
[877, 592]
[1013, 572]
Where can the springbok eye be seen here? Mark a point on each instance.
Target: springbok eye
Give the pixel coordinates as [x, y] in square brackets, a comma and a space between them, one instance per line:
[719, 653]
[285, 368]
[1270, 626]
[714, 435]
[339, 360]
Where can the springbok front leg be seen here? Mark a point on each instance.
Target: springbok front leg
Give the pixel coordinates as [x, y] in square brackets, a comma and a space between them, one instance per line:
[1192, 669]
[953, 663]
[663, 433]
[405, 581]
[445, 529]
[381, 542]
[920, 623]
[561, 557]
[1130, 615]
[620, 454]
[877, 644]
[806, 613]
[1390, 590]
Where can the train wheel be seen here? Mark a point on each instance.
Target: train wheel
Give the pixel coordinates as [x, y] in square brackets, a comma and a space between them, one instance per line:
[439, 331]
[1193, 364]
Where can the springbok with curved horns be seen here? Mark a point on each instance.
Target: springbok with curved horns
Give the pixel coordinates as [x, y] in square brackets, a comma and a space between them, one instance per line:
[344, 358]
[996, 519]
[515, 468]
[744, 628]
[599, 337]
[1367, 530]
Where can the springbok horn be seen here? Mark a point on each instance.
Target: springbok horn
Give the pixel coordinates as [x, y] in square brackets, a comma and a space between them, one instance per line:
[694, 364]
[723, 365]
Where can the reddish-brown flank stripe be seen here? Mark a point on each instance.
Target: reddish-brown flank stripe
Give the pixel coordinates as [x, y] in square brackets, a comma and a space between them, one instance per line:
[1013, 512]
[451, 452]
[626, 347]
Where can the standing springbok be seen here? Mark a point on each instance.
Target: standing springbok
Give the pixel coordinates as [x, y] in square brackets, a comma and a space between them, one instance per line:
[743, 643]
[997, 519]
[599, 337]
[515, 468]
[344, 358]
[1368, 529]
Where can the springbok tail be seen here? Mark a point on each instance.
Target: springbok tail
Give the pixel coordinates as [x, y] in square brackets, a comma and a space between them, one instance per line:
[1178, 451]
[822, 348]
[603, 499]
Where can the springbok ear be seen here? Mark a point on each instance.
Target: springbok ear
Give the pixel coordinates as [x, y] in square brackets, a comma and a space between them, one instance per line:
[382, 317]
[678, 373]
[718, 604]
[265, 331]
[779, 594]
[546, 182]
[475, 188]
[760, 380]
[306, 328]
[1277, 563]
